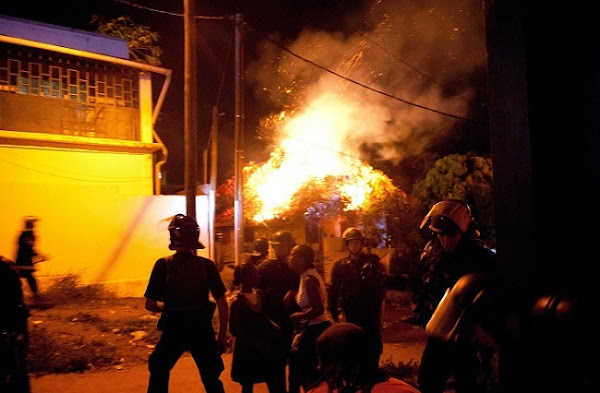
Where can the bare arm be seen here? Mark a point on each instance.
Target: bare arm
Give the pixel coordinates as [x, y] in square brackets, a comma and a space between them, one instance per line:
[315, 308]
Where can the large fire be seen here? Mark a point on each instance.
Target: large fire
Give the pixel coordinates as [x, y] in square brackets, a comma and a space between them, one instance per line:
[316, 144]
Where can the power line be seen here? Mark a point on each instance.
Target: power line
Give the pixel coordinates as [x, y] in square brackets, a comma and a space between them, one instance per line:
[226, 17]
[286, 49]
[124, 180]
[230, 17]
[366, 37]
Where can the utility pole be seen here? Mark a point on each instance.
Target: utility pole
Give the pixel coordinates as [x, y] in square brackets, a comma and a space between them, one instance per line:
[213, 180]
[189, 106]
[239, 138]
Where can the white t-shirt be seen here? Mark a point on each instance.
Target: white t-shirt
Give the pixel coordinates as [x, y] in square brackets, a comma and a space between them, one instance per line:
[302, 296]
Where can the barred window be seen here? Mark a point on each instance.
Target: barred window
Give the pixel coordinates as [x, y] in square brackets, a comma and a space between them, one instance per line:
[65, 78]
[59, 94]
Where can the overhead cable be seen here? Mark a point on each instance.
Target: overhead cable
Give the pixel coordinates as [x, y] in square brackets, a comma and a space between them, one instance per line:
[226, 17]
[286, 49]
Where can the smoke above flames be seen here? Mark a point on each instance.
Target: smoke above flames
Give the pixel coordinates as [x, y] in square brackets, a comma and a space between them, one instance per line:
[421, 52]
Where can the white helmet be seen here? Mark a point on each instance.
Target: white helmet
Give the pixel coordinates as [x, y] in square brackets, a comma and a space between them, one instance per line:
[448, 216]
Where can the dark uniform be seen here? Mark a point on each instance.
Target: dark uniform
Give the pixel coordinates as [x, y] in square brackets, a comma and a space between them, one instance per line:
[276, 278]
[25, 256]
[13, 332]
[427, 283]
[357, 290]
[183, 281]
[441, 269]
[261, 249]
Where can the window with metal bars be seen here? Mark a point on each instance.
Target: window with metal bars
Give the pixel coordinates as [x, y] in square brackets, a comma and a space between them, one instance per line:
[65, 78]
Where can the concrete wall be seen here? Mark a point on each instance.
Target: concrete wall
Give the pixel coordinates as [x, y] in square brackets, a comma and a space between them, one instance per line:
[96, 220]
[123, 173]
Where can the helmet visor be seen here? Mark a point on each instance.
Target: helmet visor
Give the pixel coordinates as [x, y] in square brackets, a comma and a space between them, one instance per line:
[444, 225]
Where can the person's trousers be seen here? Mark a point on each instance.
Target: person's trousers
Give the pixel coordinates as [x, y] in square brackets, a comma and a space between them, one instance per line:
[177, 338]
[303, 363]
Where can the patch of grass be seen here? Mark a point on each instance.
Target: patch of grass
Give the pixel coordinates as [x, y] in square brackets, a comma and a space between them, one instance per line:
[119, 326]
[407, 372]
[49, 354]
[398, 299]
[69, 290]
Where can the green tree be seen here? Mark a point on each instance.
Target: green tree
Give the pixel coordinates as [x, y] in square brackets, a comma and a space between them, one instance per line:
[142, 41]
[467, 177]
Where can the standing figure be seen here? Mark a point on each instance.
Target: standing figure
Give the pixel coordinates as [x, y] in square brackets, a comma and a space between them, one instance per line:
[261, 249]
[27, 256]
[345, 354]
[427, 283]
[357, 289]
[312, 319]
[257, 347]
[179, 288]
[13, 332]
[460, 268]
[276, 279]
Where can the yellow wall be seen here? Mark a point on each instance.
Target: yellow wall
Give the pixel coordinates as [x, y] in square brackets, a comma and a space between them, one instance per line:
[97, 218]
[126, 173]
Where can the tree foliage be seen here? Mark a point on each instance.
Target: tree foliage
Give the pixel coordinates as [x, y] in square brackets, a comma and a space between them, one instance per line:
[142, 41]
[467, 177]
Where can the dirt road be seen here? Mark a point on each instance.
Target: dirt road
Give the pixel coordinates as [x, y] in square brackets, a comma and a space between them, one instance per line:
[184, 377]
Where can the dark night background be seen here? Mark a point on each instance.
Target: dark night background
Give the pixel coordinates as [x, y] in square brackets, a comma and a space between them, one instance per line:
[430, 56]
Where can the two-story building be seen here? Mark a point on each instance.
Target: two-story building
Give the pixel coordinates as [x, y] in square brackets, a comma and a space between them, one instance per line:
[78, 149]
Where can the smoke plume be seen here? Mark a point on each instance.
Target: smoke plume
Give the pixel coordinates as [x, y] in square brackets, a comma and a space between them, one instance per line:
[417, 52]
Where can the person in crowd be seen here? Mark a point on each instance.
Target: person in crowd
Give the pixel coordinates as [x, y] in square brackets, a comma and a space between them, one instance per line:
[179, 288]
[345, 358]
[310, 321]
[13, 332]
[261, 249]
[276, 279]
[257, 348]
[27, 256]
[357, 289]
[456, 272]
[426, 283]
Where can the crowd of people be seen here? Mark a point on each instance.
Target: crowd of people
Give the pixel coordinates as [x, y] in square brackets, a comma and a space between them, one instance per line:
[290, 329]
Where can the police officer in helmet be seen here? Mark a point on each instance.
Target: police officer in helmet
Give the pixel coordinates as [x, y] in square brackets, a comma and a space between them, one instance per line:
[276, 280]
[13, 331]
[455, 268]
[357, 291]
[179, 288]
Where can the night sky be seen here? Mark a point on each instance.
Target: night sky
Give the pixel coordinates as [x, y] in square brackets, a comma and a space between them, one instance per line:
[431, 53]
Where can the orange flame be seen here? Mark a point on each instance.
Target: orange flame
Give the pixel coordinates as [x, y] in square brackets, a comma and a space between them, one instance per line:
[316, 143]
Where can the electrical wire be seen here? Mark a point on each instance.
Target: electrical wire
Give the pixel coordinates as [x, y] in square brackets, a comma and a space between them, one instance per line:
[131, 180]
[286, 49]
[366, 37]
[226, 17]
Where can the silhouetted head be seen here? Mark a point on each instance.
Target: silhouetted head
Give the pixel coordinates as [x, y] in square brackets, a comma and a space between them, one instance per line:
[185, 233]
[345, 354]
[302, 258]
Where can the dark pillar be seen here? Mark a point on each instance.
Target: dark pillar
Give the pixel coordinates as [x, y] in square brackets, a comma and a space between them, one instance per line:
[544, 78]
